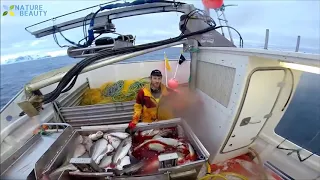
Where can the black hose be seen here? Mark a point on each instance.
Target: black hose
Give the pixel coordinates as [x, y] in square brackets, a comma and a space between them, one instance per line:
[76, 70]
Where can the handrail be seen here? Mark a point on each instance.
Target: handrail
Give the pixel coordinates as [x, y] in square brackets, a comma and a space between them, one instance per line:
[12, 99]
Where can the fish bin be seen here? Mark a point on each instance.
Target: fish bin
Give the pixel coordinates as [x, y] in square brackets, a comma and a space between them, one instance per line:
[160, 150]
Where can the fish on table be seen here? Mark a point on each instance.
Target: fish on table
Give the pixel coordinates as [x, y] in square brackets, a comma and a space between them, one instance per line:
[120, 135]
[131, 169]
[79, 151]
[121, 151]
[96, 136]
[114, 141]
[105, 161]
[99, 149]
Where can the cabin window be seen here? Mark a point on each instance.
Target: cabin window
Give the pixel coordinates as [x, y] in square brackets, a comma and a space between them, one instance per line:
[301, 122]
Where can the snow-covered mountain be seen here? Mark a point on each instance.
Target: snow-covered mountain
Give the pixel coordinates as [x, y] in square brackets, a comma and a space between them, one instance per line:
[25, 58]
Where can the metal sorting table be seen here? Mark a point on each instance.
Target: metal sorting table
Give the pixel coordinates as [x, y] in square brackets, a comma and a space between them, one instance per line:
[22, 162]
[57, 154]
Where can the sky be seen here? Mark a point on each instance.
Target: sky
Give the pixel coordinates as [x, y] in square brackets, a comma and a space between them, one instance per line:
[286, 19]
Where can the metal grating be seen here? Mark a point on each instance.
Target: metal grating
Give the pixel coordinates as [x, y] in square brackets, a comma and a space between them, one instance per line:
[69, 111]
[216, 81]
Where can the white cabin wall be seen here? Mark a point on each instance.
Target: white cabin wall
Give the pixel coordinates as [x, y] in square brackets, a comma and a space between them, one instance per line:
[213, 122]
[215, 72]
[254, 63]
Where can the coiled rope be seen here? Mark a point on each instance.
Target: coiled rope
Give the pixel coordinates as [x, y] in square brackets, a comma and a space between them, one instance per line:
[115, 90]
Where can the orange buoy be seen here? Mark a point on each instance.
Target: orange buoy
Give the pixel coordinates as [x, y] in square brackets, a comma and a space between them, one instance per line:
[173, 83]
[212, 4]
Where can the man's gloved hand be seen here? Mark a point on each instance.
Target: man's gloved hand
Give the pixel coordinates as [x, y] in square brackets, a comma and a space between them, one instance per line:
[130, 128]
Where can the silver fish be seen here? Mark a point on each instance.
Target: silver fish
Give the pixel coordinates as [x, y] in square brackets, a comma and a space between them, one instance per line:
[87, 142]
[105, 162]
[122, 150]
[98, 148]
[108, 150]
[123, 162]
[96, 136]
[121, 135]
[114, 141]
[79, 151]
[132, 168]
[58, 171]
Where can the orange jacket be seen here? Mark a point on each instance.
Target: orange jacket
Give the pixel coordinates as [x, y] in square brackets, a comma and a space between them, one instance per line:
[149, 108]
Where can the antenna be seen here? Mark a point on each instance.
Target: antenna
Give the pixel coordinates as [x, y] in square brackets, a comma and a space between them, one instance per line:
[220, 12]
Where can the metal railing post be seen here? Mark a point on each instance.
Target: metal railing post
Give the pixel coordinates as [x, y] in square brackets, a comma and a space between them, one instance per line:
[266, 42]
[298, 44]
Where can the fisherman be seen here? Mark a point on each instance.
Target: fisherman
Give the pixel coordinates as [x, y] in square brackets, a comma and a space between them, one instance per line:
[147, 106]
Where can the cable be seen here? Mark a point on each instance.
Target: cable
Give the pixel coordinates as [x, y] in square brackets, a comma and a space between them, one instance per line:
[76, 70]
[105, 53]
[241, 40]
[189, 16]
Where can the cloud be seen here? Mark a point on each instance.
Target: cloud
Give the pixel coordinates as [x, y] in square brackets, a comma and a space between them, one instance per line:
[284, 19]
[36, 42]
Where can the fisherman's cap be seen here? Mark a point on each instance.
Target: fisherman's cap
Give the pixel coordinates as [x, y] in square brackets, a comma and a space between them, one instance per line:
[156, 72]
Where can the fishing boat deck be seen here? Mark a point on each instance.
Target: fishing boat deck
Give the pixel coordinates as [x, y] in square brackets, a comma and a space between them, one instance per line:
[22, 163]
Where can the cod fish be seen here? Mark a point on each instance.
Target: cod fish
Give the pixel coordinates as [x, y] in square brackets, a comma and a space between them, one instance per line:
[114, 141]
[121, 151]
[120, 135]
[108, 150]
[130, 169]
[123, 162]
[96, 136]
[105, 161]
[100, 147]
[79, 151]
[159, 141]
[87, 142]
[58, 171]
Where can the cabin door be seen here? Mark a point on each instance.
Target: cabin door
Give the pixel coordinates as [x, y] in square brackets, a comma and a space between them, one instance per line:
[258, 101]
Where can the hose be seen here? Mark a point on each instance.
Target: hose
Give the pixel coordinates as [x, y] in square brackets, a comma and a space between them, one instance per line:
[220, 175]
[223, 176]
[263, 174]
[76, 70]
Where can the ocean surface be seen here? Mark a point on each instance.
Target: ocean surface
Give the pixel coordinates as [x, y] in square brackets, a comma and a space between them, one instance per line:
[300, 124]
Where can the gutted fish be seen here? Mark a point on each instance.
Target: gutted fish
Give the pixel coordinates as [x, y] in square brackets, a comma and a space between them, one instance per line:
[58, 171]
[150, 132]
[192, 155]
[121, 135]
[122, 150]
[114, 141]
[96, 136]
[79, 151]
[130, 169]
[163, 141]
[100, 147]
[157, 147]
[152, 166]
[124, 161]
[105, 162]
[87, 142]
[107, 151]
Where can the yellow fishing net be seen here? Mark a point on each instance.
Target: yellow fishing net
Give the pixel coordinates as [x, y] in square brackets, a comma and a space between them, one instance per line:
[120, 91]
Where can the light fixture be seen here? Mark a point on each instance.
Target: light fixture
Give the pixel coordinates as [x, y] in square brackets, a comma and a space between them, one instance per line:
[311, 69]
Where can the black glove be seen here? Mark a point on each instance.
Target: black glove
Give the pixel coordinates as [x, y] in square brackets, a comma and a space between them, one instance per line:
[129, 131]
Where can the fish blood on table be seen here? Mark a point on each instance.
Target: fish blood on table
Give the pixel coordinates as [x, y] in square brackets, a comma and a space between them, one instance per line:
[123, 154]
